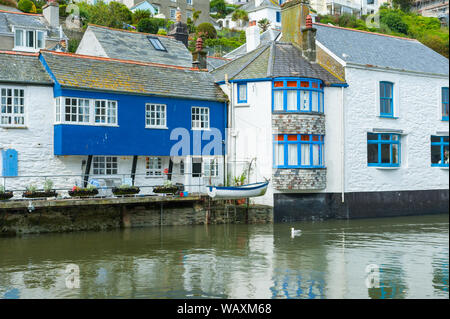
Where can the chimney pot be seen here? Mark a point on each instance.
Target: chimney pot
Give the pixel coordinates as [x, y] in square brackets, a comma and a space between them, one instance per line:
[252, 35]
[199, 44]
[51, 13]
[308, 22]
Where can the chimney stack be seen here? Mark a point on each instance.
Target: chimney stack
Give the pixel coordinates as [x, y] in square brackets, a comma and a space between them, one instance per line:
[199, 55]
[51, 13]
[180, 30]
[253, 38]
[309, 40]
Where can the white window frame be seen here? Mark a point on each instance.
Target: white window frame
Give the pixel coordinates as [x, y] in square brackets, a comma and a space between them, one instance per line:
[174, 13]
[110, 115]
[22, 46]
[12, 107]
[154, 166]
[196, 124]
[210, 167]
[111, 161]
[151, 114]
[190, 2]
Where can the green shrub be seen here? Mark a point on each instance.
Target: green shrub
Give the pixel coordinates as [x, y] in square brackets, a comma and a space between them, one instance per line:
[26, 6]
[9, 3]
[394, 21]
[138, 15]
[206, 31]
[148, 26]
[162, 32]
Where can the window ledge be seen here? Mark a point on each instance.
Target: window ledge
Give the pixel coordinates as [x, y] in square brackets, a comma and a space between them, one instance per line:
[299, 112]
[386, 167]
[157, 127]
[242, 105]
[388, 117]
[444, 167]
[200, 129]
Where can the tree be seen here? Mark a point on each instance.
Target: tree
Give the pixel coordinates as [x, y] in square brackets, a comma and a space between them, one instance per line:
[241, 16]
[404, 5]
[26, 6]
[148, 25]
[206, 31]
[394, 21]
[138, 15]
[112, 15]
[264, 24]
[220, 7]
[196, 15]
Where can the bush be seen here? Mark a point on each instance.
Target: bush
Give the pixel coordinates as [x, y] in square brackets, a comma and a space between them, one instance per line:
[394, 21]
[148, 26]
[162, 32]
[138, 15]
[9, 3]
[206, 31]
[26, 6]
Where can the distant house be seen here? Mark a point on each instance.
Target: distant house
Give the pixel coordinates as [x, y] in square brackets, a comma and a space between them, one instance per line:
[137, 46]
[144, 5]
[32, 32]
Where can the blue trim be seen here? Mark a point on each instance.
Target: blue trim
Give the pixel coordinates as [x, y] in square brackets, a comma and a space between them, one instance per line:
[384, 97]
[278, 16]
[299, 142]
[239, 100]
[246, 80]
[379, 141]
[339, 85]
[49, 71]
[445, 100]
[442, 143]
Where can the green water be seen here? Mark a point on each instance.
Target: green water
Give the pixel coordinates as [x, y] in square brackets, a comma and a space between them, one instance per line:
[328, 260]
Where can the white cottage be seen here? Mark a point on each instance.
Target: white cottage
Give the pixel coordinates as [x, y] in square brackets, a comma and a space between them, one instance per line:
[345, 123]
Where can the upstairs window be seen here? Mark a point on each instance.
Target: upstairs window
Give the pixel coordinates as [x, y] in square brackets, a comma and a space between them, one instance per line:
[293, 95]
[298, 151]
[439, 151]
[242, 93]
[278, 16]
[445, 104]
[173, 13]
[76, 110]
[105, 112]
[386, 99]
[200, 118]
[383, 149]
[29, 40]
[189, 2]
[156, 43]
[155, 116]
[105, 165]
[12, 109]
[85, 111]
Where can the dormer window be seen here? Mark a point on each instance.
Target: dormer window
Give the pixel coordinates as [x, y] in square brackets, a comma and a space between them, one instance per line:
[156, 43]
[28, 40]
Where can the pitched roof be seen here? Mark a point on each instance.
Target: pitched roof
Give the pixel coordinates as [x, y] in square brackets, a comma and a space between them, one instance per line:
[374, 49]
[9, 19]
[112, 75]
[18, 67]
[251, 5]
[128, 45]
[215, 62]
[265, 37]
[275, 59]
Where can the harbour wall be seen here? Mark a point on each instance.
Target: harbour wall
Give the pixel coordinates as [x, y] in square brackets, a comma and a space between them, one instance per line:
[49, 216]
[290, 207]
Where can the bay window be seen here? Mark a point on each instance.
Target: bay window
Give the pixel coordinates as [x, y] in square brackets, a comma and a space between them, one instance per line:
[85, 111]
[298, 151]
[291, 95]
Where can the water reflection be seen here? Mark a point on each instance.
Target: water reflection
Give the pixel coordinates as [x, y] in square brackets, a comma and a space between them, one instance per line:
[329, 260]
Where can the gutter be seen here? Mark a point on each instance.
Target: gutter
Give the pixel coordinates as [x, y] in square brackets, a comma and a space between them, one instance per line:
[342, 147]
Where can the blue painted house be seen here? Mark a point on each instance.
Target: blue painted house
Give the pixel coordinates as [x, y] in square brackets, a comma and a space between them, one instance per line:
[137, 119]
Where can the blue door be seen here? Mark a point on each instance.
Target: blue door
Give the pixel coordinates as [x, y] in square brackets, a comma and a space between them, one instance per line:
[9, 163]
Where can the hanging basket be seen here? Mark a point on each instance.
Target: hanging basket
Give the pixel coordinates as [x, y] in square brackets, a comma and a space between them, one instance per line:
[83, 192]
[39, 194]
[122, 191]
[6, 195]
[165, 190]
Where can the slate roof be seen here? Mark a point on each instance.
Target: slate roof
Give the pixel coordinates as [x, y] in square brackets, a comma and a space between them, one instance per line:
[214, 62]
[265, 37]
[18, 67]
[275, 59]
[381, 50]
[34, 21]
[127, 45]
[104, 74]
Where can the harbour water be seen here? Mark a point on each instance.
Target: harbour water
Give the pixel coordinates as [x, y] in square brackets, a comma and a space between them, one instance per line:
[405, 257]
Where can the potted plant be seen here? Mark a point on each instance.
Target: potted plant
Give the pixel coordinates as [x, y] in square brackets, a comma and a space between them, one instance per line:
[83, 192]
[4, 194]
[167, 188]
[124, 190]
[32, 192]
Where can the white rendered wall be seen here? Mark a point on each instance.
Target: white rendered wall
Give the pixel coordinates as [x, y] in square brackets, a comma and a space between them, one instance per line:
[418, 105]
[89, 45]
[267, 13]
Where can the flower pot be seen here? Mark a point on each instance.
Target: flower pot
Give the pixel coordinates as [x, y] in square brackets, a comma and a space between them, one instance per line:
[118, 191]
[83, 192]
[40, 194]
[6, 195]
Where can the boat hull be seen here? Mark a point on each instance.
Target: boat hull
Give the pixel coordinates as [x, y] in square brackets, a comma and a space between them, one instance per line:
[244, 191]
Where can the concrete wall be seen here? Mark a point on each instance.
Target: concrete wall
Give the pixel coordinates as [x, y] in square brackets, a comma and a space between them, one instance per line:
[417, 104]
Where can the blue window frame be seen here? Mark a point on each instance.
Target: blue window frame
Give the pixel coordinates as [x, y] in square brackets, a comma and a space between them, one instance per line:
[439, 151]
[298, 151]
[445, 104]
[383, 149]
[297, 95]
[278, 16]
[386, 99]
[242, 93]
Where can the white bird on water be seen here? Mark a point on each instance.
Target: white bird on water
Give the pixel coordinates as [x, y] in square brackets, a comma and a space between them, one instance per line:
[295, 232]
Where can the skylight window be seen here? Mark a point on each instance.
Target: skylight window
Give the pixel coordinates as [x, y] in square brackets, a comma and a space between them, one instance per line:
[156, 43]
